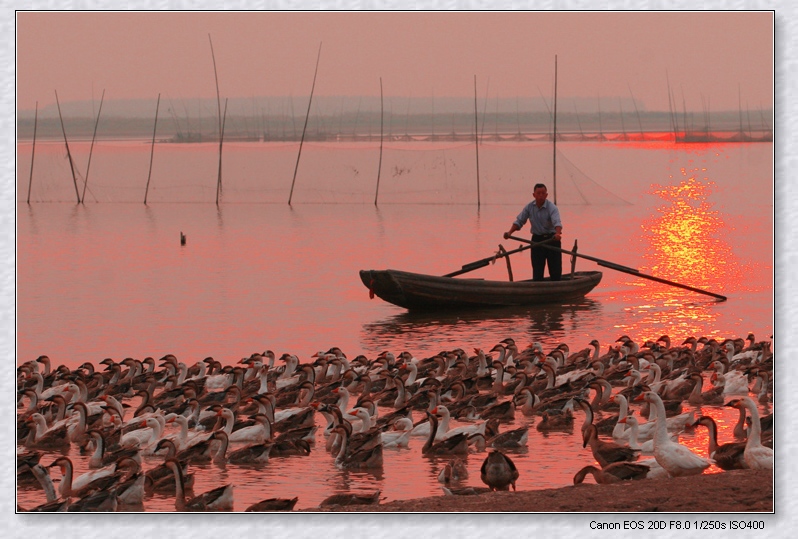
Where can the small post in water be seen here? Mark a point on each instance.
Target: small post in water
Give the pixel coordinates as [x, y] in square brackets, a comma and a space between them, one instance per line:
[33, 148]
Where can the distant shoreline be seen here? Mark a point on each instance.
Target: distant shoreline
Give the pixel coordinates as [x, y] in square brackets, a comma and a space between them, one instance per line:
[729, 136]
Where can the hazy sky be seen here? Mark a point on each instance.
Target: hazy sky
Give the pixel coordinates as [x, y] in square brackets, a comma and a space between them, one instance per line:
[712, 58]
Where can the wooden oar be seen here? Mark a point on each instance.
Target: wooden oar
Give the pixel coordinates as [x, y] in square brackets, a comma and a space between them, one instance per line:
[618, 267]
[485, 261]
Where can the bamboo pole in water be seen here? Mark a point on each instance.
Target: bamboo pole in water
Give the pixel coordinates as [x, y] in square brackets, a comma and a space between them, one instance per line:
[379, 166]
[152, 148]
[671, 103]
[554, 133]
[304, 129]
[219, 110]
[66, 143]
[637, 112]
[221, 140]
[485, 110]
[33, 148]
[476, 138]
[91, 148]
[601, 130]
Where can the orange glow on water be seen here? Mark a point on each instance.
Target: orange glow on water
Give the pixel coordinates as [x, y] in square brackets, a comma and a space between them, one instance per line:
[685, 241]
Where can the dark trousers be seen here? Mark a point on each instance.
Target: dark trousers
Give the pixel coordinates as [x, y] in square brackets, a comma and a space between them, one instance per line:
[541, 256]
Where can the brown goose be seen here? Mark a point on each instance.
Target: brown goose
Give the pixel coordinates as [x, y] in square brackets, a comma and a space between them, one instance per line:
[604, 452]
[101, 457]
[200, 453]
[457, 444]
[698, 397]
[613, 473]
[357, 460]
[351, 499]
[727, 456]
[161, 479]
[84, 484]
[100, 500]
[501, 410]
[43, 438]
[551, 420]
[289, 447]
[511, 439]
[465, 491]
[453, 471]
[25, 463]
[498, 471]
[218, 499]
[756, 455]
[272, 504]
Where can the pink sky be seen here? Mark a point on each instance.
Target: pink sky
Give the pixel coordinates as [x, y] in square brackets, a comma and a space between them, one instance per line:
[710, 58]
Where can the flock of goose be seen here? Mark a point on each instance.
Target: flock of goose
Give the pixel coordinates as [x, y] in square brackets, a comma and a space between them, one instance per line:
[145, 424]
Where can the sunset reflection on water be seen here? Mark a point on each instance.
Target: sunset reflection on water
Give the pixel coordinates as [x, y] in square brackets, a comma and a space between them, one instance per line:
[685, 241]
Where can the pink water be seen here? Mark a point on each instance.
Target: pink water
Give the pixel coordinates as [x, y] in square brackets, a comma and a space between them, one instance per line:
[110, 279]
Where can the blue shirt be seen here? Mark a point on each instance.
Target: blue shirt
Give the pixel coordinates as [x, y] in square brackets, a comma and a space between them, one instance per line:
[543, 219]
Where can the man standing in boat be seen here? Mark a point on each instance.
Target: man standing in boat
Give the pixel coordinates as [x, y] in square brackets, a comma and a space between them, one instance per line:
[544, 217]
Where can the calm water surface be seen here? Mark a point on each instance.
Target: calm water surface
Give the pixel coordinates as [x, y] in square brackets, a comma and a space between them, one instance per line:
[110, 279]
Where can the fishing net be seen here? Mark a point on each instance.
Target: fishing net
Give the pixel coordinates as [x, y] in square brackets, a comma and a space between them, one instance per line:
[405, 172]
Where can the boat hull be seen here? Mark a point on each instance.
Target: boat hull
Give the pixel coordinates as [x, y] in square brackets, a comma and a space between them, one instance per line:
[416, 291]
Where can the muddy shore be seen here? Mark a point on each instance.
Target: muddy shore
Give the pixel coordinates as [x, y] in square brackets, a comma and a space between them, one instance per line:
[743, 491]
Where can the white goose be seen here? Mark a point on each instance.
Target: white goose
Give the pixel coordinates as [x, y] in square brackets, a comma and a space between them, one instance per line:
[645, 431]
[675, 458]
[287, 377]
[623, 410]
[343, 398]
[756, 455]
[185, 437]
[733, 382]
[444, 431]
[443, 411]
[145, 438]
[229, 419]
[70, 484]
[423, 429]
[647, 447]
[258, 433]
[412, 369]
[526, 401]
[400, 436]
[360, 419]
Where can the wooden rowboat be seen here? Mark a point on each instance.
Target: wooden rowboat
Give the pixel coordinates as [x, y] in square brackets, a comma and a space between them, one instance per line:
[416, 291]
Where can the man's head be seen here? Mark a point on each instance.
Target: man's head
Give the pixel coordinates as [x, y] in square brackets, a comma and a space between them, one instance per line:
[540, 194]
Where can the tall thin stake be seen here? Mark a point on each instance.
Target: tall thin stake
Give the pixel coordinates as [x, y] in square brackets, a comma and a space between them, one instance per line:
[152, 148]
[485, 110]
[69, 154]
[219, 110]
[91, 148]
[554, 135]
[33, 148]
[476, 138]
[221, 138]
[379, 166]
[637, 112]
[304, 129]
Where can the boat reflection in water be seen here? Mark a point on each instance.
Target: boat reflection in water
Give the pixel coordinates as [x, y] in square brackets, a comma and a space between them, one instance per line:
[479, 327]
[686, 244]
